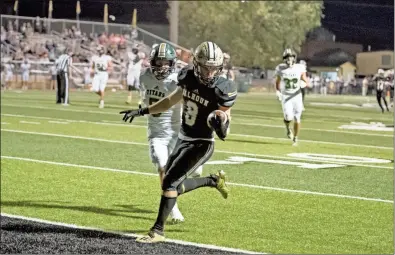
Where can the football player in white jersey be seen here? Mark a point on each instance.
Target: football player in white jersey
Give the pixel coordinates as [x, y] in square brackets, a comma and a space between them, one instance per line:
[101, 65]
[303, 84]
[158, 82]
[134, 71]
[9, 74]
[25, 66]
[288, 90]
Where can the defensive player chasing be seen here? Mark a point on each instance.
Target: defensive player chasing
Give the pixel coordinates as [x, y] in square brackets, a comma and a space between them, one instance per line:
[289, 74]
[380, 79]
[156, 83]
[100, 66]
[203, 92]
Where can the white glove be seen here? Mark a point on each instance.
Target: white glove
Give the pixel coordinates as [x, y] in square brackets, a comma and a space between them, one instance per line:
[279, 95]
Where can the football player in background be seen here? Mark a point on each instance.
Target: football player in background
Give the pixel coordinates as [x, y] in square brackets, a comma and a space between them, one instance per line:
[159, 81]
[380, 79]
[9, 73]
[25, 66]
[288, 76]
[203, 91]
[303, 84]
[390, 84]
[101, 65]
[134, 71]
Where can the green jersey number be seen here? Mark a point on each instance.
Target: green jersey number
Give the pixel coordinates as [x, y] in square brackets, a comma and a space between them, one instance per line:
[291, 83]
[153, 101]
[100, 67]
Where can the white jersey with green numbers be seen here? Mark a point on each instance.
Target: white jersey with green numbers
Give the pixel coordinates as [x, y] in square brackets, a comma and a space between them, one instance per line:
[290, 77]
[166, 124]
[101, 63]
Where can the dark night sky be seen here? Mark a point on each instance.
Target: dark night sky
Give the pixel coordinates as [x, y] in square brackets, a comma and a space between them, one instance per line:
[359, 21]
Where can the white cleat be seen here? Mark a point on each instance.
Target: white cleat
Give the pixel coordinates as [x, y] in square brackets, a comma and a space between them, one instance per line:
[295, 142]
[101, 104]
[176, 216]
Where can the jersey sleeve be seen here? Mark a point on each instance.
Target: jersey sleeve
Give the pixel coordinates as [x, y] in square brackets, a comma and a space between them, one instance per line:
[226, 93]
[302, 68]
[277, 71]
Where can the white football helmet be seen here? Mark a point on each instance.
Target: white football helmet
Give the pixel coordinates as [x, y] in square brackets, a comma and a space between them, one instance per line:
[208, 60]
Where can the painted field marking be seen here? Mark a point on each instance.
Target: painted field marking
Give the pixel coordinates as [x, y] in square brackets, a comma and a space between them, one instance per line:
[61, 224]
[219, 151]
[58, 122]
[29, 122]
[306, 192]
[240, 135]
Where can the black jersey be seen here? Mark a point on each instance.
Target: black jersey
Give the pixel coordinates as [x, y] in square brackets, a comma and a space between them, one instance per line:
[380, 82]
[200, 100]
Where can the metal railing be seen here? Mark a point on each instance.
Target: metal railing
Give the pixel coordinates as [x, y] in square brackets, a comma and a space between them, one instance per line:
[88, 27]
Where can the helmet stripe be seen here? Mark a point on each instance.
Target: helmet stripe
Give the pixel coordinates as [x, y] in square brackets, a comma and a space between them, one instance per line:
[162, 50]
[211, 53]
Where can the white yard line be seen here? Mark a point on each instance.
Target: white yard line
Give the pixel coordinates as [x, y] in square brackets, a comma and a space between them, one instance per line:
[58, 122]
[306, 192]
[29, 122]
[4, 123]
[312, 141]
[313, 129]
[234, 114]
[218, 151]
[232, 134]
[61, 224]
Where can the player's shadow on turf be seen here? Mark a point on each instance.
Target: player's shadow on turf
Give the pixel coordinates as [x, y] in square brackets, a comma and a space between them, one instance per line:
[248, 141]
[82, 208]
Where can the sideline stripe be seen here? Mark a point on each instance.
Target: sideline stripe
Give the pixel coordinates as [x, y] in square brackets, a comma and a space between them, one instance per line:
[206, 246]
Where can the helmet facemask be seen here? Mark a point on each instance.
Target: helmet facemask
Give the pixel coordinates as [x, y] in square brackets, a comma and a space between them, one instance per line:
[161, 68]
[207, 75]
[290, 60]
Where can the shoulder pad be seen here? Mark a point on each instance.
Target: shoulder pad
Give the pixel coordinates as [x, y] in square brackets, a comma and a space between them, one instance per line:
[281, 67]
[226, 92]
[301, 67]
[173, 77]
[184, 75]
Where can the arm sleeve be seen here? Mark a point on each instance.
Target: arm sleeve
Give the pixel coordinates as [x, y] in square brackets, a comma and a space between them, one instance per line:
[226, 93]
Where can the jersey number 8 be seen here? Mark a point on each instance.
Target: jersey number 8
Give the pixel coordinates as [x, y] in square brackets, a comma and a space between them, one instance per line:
[190, 113]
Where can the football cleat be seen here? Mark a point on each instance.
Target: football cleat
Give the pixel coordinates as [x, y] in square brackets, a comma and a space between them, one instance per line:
[295, 141]
[152, 237]
[221, 185]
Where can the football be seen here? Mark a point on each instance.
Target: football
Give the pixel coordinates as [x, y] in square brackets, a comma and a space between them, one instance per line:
[217, 114]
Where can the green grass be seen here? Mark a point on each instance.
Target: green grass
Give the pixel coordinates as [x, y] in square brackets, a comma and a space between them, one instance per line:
[257, 218]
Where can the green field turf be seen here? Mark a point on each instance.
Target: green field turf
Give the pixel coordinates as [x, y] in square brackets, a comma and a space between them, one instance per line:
[82, 165]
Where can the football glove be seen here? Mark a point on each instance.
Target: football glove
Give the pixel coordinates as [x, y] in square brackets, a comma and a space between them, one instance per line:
[279, 95]
[220, 128]
[130, 114]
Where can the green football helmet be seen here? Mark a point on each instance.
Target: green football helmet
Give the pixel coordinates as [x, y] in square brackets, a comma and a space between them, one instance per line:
[159, 54]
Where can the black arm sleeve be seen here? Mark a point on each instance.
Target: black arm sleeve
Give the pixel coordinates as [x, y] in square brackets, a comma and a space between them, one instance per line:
[226, 92]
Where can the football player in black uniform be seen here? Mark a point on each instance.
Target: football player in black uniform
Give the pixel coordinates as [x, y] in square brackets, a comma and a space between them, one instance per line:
[203, 91]
[380, 81]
